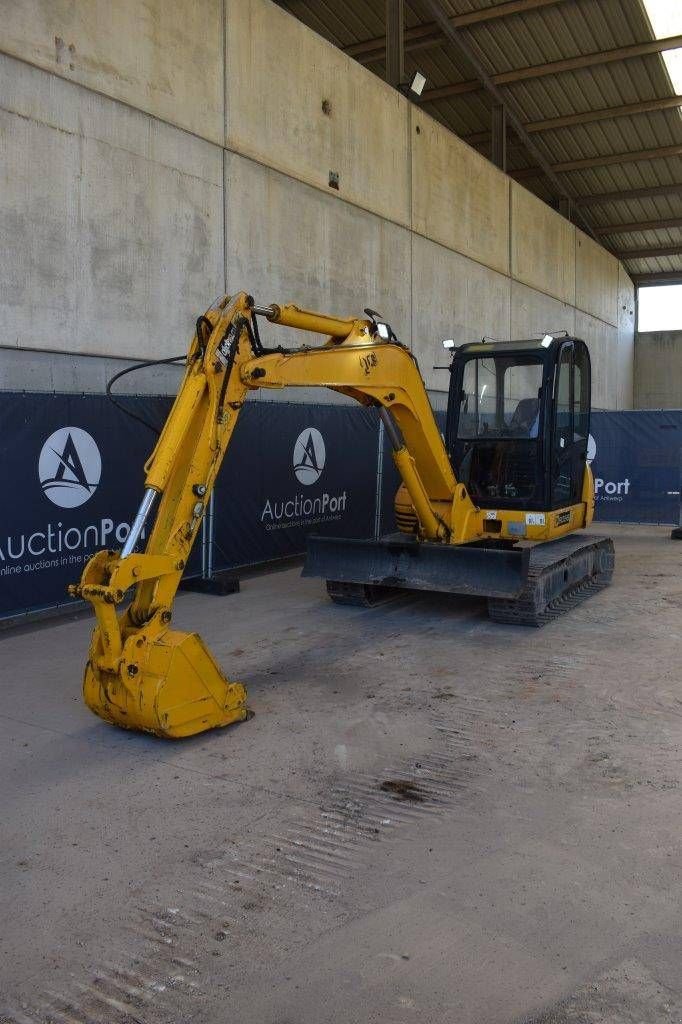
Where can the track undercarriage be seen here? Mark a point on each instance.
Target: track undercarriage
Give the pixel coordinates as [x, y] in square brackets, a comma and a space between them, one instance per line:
[561, 575]
[528, 586]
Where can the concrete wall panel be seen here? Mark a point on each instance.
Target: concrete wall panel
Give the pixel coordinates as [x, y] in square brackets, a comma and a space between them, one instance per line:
[534, 313]
[458, 197]
[275, 110]
[166, 61]
[542, 246]
[288, 242]
[596, 279]
[602, 341]
[114, 250]
[453, 297]
[658, 370]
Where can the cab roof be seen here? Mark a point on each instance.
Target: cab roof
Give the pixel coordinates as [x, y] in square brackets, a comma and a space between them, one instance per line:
[541, 345]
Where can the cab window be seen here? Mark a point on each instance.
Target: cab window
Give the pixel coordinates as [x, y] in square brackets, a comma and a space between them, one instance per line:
[500, 397]
[563, 436]
[581, 393]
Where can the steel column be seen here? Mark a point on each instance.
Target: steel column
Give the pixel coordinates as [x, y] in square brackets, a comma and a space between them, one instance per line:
[395, 42]
[499, 137]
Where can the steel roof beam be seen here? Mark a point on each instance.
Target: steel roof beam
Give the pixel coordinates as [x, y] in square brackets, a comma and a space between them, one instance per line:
[634, 193]
[420, 36]
[556, 67]
[586, 117]
[599, 161]
[649, 254]
[639, 225]
[663, 277]
[605, 114]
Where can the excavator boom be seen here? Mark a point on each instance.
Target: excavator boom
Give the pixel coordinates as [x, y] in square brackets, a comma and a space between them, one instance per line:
[140, 673]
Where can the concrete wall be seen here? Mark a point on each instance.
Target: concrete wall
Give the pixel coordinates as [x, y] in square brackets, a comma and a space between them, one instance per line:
[658, 370]
[150, 162]
[543, 247]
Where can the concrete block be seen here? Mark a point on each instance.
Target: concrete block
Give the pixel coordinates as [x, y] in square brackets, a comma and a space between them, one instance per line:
[317, 114]
[596, 279]
[110, 222]
[542, 246]
[602, 341]
[453, 297]
[458, 197]
[534, 313]
[165, 61]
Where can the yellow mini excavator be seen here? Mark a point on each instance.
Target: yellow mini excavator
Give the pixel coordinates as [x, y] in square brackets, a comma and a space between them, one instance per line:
[512, 470]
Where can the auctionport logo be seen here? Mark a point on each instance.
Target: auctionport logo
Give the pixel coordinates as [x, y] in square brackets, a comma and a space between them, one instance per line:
[606, 490]
[591, 450]
[309, 456]
[69, 470]
[69, 467]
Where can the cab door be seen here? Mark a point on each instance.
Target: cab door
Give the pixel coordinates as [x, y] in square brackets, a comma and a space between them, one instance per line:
[571, 423]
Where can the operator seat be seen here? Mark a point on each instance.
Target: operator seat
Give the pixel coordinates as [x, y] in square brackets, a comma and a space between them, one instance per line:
[517, 473]
[524, 420]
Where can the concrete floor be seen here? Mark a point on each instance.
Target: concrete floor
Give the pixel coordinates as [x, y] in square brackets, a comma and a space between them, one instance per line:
[274, 873]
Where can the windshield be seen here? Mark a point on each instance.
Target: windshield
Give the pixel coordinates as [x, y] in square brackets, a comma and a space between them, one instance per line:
[500, 397]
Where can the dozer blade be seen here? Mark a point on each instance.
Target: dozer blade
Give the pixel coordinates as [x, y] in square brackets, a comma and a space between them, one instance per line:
[170, 686]
[399, 560]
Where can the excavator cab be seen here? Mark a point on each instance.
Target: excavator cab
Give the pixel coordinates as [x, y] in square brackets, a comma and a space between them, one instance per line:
[518, 422]
[516, 436]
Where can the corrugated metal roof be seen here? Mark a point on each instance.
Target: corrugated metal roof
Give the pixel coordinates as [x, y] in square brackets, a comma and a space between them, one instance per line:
[559, 30]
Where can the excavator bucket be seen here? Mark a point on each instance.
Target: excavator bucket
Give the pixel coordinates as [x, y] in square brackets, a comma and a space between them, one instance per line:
[170, 686]
[398, 560]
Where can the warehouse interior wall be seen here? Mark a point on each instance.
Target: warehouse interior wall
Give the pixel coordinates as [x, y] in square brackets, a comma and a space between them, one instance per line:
[658, 370]
[150, 161]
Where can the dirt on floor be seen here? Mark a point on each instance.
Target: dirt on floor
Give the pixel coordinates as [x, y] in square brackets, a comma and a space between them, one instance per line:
[430, 818]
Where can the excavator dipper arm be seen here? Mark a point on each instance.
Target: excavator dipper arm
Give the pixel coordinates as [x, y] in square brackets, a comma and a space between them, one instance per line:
[140, 673]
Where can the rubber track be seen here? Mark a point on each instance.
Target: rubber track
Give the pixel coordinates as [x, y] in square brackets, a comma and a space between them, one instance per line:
[360, 595]
[530, 609]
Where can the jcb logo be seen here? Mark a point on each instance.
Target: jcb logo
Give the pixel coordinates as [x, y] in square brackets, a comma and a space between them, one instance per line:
[368, 362]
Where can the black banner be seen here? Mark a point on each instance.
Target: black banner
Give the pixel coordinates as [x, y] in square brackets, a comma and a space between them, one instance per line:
[291, 470]
[74, 471]
[635, 458]
[74, 478]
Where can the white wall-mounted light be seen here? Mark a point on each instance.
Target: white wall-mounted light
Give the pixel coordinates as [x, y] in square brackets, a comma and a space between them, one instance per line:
[417, 83]
[547, 341]
[448, 343]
